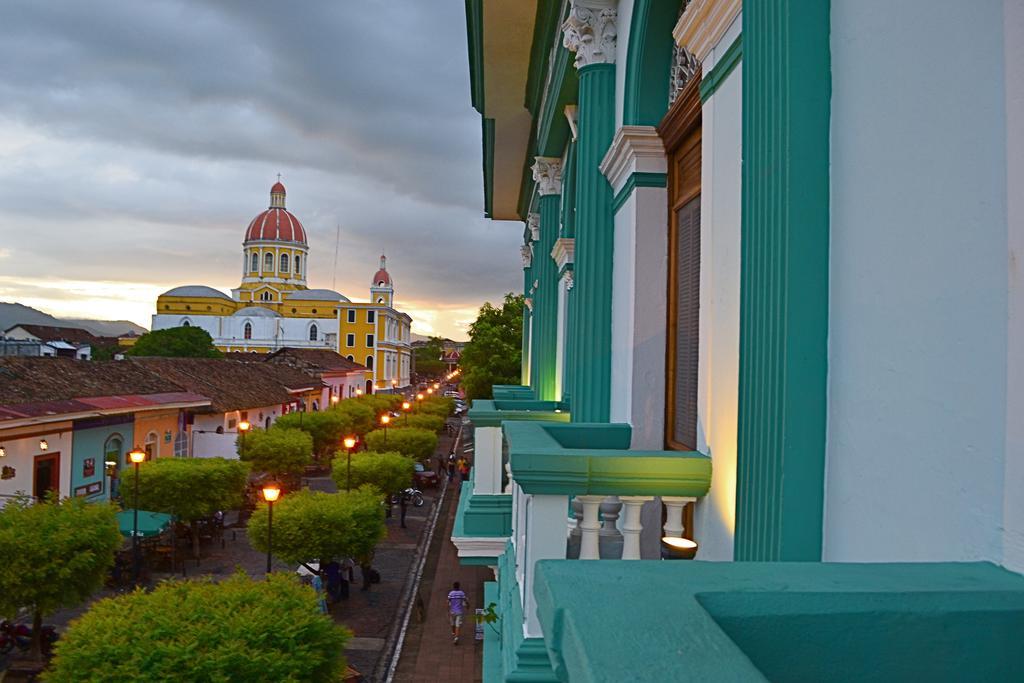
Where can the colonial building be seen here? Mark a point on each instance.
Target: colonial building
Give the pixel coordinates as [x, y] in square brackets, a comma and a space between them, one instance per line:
[274, 308]
[775, 321]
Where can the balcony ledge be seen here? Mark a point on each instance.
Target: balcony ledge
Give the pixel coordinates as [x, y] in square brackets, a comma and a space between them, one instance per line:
[483, 524]
[581, 459]
[505, 392]
[779, 621]
[493, 413]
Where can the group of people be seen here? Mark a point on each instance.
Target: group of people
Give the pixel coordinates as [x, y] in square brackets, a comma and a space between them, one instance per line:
[457, 465]
[333, 581]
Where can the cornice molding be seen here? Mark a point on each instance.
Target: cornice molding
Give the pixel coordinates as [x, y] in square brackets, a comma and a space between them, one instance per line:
[563, 251]
[590, 31]
[547, 173]
[469, 546]
[635, 149]
[704, 23]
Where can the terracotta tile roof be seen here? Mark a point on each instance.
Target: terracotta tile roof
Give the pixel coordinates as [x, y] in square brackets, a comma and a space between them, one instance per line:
[314, 361]
[231, 384]
[74, 335]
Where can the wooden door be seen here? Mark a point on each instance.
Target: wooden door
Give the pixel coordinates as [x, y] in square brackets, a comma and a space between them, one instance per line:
[45, 474]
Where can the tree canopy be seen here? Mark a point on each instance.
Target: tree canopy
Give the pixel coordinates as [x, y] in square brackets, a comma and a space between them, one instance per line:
[494, 352]
[427, 358]
[189, 488]
[176, 342]
[279, 451]
[415, 443]
[312, 525]
[434, 423]
[55, 554]
[239, 629]
[327, 427]
[389, 472]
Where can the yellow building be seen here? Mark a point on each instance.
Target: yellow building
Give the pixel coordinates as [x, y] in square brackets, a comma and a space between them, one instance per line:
[273, 307]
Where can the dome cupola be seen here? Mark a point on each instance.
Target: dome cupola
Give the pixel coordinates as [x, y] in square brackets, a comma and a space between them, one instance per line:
[381, 277]
[276, 224]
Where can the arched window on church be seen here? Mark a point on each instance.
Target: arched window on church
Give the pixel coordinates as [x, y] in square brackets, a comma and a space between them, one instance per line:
[312, 333]
[186, 323]
[369, 362]
[247, 331]
[255, 262]
[298, 265]
[268, 263]
[284, 263]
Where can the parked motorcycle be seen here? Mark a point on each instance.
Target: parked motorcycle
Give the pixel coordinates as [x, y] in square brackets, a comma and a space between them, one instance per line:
[411, 495]
[19, 636]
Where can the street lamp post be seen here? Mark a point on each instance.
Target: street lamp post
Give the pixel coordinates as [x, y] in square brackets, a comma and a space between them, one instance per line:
[270, 493]
[334, 399]
[384, 420]
[243, 427]
[350, 443]
[137, 456]
[405, 409]
[419, 398]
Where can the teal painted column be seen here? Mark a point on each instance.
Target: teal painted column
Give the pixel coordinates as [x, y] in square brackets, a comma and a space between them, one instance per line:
[784, 280]
[527, 251]
[592, 268]
[547, 172]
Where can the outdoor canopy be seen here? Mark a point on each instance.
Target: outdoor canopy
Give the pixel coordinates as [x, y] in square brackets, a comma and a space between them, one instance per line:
[150, 523]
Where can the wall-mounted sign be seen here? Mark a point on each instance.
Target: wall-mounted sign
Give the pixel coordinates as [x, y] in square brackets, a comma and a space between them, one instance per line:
[89, 489]
[89, 467]
[167, 436]
[7, 472]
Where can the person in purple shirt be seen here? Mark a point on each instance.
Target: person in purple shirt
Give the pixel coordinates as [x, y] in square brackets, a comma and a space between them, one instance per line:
[457, 604]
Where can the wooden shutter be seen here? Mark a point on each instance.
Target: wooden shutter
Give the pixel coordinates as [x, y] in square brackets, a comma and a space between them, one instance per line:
[681, 131]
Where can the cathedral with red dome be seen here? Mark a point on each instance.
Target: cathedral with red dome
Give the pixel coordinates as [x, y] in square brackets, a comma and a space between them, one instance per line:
[273, 307]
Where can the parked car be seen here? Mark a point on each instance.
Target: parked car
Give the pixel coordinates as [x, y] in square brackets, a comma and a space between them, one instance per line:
[423, 477]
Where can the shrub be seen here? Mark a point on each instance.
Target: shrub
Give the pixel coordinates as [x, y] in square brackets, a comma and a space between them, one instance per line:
[279, 451]
[237, 630]
[415, 443]
[387, 472]
[433, 423]
[327, 427]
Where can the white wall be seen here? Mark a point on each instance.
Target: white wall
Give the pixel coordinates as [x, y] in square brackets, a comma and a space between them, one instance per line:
[266, 332]
[718, 364]
[1013, 481]
[918, 282]
[21, 453]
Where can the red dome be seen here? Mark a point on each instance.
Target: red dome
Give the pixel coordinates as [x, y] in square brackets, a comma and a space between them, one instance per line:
[381, 276]
[278, 187]
[276, 224]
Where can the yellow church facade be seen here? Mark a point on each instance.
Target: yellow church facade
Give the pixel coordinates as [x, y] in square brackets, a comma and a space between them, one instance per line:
[273, 307]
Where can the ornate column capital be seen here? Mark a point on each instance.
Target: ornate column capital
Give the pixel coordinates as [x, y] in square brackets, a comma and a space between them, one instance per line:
[547, 173]
[590, 31]
[526, 251]
[533, 221]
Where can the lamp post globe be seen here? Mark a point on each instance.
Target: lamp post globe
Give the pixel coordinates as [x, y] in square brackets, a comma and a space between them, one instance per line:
[271, 492]
[350, 443]
[137, 456]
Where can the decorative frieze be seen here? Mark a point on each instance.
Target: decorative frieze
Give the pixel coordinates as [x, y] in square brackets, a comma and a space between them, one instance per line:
[590, 31]
[703, 24]
[547, 173]
[563, 251]
[634, 149]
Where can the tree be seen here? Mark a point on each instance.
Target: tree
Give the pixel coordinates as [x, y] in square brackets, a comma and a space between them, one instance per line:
[190, 489]
[278, 451]
[419, 444]
[312, 525]
[55, 554]
[362, 416]
[176, 342]
[238, 629]
[388, 472]
[437, 405]
[327, 428]
[427, 358]
[494, 352]
[434, 423]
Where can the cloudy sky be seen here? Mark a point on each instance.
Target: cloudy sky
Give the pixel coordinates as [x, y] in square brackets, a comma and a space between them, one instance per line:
[138, 139]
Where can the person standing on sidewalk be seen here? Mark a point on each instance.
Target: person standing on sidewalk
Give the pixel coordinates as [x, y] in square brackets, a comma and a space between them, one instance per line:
[458, 603]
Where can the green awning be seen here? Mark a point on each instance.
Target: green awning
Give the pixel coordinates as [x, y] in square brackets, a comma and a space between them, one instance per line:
[150, 523]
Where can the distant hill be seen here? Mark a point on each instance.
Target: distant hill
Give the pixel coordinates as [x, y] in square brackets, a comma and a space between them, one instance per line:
[14, 314]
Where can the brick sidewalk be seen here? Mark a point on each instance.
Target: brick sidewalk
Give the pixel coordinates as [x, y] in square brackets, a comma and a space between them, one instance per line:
[428, 654]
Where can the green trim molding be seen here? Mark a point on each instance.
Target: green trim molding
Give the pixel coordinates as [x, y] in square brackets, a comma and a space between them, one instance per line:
[506, 392]
[721, 70]
[580, 459]
[779, 621]
[543, 362]
[492, 413]
[635, 180]
[649, 61]
[475, 40]
[783, 281]
[519, 659]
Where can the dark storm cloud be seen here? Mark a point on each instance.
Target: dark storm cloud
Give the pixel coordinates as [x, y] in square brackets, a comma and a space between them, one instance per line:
[150, 131]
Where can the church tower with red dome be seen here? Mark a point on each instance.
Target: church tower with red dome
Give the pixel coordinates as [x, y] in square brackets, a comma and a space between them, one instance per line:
[382, 291]
[275, 252]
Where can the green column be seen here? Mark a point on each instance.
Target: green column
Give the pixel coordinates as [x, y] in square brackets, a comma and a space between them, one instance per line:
[547, 172]
[527, 283]
[784, 280]
[592, 269]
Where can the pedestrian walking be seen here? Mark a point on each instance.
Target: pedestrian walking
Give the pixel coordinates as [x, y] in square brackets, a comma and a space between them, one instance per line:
[451, 466]
[458, 603]
[318, 586]
[403, 504]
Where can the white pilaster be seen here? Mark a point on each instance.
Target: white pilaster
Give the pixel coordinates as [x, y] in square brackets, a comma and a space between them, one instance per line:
[487, 460]
[545, 540]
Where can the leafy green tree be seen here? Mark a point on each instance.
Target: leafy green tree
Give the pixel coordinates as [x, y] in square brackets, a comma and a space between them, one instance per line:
[419, 444]
[427, 358]
[437, 405]
[494, 352]
[176, 342]
[312, 525]
[434, 423]
[327, 428]
[55, 554]
[387, 472]
[362, 415]
[191, 489]
[279, 451]
[238, 629]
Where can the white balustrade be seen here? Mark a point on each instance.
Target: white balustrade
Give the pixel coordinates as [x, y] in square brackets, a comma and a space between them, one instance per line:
[590, 527]
[674, 514]
[631, 525]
